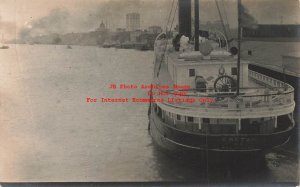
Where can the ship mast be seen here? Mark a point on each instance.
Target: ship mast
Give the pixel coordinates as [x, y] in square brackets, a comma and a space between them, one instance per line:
[196, 6]
[239, 47]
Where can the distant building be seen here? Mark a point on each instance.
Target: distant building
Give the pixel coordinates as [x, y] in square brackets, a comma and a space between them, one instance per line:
[216, 25]
[133, 21]
[273, 31]
[155, 29]
[134, 35]
[102, 27]
[120, 29]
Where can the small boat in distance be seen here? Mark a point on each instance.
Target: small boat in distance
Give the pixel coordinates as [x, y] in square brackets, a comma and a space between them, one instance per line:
[142, 46]
[108, 44]
[3, 46]
[69, 47]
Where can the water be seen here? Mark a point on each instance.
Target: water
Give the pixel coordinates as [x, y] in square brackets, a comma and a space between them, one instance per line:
[49, 132]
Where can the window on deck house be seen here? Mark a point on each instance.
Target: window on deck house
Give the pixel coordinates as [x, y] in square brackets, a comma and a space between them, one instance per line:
[190, 119]
[233, 71]
[192, 72]
[205, 120]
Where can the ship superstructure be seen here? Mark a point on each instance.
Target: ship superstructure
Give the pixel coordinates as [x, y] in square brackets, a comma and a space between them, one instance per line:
[214, 103]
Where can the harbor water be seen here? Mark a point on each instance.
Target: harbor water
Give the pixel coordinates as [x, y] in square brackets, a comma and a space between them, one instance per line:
[49, 132]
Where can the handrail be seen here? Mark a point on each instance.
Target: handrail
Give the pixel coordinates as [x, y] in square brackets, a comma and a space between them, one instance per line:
[288, 88]
[281, 95]
[160, 34]
[222, 34]
[272, 82]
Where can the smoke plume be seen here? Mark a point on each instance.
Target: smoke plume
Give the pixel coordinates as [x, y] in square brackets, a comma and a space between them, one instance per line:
[88, 18]
[57, 21]
[247, 20]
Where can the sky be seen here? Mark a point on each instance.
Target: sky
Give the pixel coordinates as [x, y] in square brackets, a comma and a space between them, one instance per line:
[39, 17]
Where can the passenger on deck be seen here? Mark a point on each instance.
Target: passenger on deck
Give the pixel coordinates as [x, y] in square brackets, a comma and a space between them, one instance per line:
[176, 42]
[184, 43]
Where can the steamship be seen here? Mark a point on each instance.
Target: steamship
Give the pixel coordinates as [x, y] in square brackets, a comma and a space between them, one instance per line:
[250, 112]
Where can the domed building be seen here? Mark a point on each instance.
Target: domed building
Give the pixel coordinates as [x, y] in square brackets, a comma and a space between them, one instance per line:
[102, 27]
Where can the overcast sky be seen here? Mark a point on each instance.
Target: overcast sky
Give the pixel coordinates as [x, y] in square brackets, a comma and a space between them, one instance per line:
[50, 16]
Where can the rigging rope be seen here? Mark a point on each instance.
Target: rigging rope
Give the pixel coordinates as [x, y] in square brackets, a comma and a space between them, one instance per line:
[221, 19]
[165, 48]
[226, 18]
[170, 15]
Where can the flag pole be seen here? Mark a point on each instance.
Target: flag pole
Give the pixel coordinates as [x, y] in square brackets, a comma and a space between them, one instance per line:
[239, 47]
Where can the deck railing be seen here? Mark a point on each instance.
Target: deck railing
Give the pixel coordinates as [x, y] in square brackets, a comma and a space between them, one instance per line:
[273, 93]
[269, 81]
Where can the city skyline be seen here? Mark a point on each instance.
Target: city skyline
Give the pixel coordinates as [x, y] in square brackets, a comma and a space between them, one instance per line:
[41, 17]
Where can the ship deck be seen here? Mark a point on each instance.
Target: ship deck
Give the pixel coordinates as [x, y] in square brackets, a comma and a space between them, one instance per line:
[264, 96]
[164, 78]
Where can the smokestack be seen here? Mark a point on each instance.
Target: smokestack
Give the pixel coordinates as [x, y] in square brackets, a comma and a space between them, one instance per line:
[185, 18]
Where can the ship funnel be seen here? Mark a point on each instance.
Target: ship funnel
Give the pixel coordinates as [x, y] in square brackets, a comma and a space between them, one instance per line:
[185, 18]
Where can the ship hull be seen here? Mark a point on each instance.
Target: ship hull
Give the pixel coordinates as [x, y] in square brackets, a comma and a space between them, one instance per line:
[180, 142]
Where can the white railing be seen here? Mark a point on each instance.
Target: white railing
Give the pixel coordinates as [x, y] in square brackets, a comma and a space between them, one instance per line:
[275, 94]
[269, 81]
